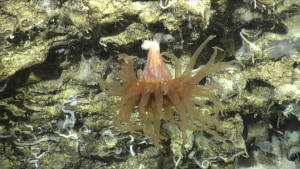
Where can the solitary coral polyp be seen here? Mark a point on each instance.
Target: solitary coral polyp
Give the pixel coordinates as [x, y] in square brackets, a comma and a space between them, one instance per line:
[155, 92]
[155, 68]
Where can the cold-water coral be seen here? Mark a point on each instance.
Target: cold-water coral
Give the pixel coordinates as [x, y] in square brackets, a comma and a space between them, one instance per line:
[154, 92]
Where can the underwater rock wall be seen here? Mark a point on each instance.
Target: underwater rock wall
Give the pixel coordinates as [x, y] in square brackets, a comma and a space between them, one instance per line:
[54, 115]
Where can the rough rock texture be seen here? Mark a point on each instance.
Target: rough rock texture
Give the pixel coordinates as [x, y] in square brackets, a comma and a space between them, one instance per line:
[52, 53]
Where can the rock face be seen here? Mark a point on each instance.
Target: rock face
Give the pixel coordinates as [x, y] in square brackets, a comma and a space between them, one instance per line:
[52, 53]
